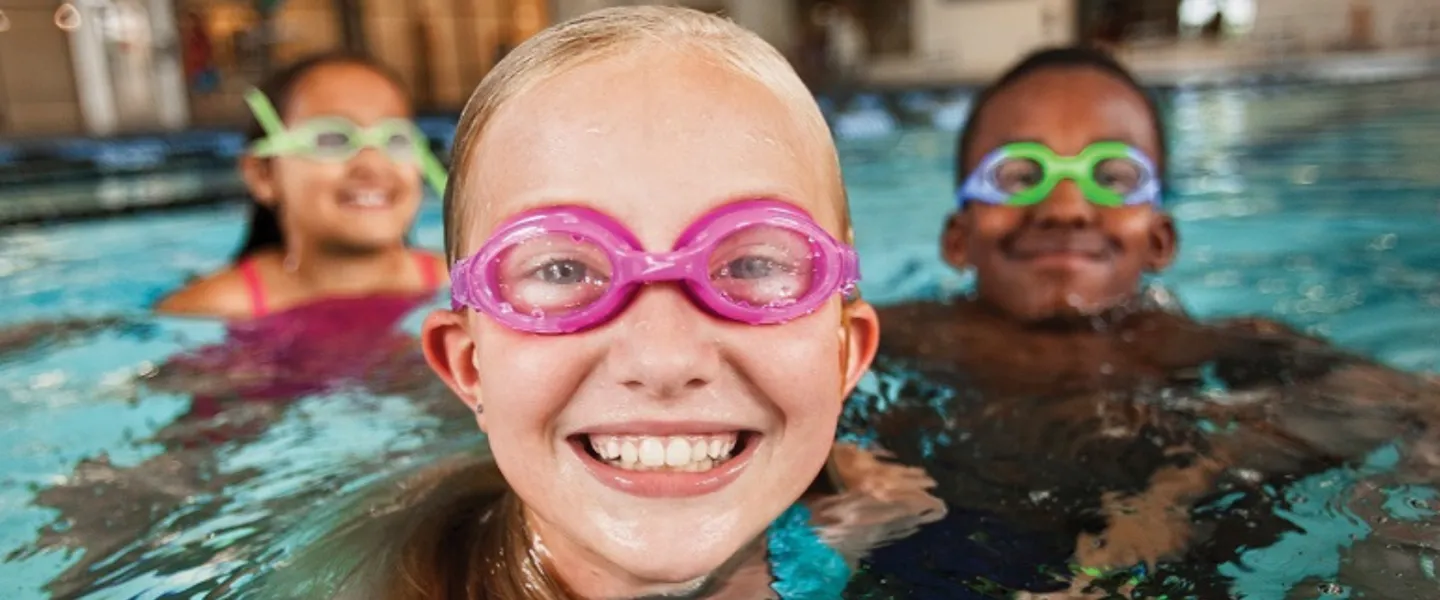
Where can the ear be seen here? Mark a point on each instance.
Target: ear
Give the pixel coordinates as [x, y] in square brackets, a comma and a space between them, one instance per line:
[861, 334]
[451, 353]
[1164, 243]
[954, 239]
[258, 178]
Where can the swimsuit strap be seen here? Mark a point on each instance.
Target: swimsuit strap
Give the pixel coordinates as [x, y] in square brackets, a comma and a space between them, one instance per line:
[254, 286]
[428, 264]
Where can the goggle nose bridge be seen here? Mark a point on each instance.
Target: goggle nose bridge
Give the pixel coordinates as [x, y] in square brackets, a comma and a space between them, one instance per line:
[652, 267]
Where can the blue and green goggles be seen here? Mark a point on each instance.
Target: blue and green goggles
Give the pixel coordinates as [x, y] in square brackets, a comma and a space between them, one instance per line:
[1110, 174]
[339, 139]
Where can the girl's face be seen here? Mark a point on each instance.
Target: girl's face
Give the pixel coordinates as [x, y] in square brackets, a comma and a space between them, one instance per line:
[654, 142]
[358, 205]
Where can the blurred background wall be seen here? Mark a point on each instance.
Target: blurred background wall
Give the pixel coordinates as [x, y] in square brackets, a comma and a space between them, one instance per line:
[108, 67]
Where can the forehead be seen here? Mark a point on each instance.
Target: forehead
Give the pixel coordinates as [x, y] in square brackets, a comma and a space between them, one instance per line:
[355, 92]
[653, 140]
[1066, 109]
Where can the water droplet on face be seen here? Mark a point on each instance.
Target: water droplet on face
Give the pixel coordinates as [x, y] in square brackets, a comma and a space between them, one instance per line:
[537, 313]
[506, 308]
[67, 17]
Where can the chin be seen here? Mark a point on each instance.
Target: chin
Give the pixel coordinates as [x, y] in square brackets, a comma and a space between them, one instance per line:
[676, 561]
[673, 573]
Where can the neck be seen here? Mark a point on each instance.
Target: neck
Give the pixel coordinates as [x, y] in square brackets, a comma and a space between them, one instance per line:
[337, 271]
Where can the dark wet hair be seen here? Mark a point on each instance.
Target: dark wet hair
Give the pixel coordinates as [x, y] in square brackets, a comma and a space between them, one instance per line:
[1067, 57]
[263, 230]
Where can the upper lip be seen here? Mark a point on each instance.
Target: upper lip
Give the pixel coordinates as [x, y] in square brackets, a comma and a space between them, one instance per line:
[658, 428]
[1089, 244]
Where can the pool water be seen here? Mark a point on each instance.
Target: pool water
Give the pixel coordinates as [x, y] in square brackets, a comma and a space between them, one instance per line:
[1313, 205]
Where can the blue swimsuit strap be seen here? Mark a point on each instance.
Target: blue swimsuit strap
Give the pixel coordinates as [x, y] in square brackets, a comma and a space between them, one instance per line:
[805, 568]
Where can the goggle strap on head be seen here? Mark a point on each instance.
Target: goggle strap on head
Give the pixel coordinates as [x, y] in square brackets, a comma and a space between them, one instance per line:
[432, 168]
[265, 113]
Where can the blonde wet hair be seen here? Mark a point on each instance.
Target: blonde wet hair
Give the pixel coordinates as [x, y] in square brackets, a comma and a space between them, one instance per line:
[615, 32]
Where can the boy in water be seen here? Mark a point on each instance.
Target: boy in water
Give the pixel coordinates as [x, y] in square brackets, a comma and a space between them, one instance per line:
[1081, 408]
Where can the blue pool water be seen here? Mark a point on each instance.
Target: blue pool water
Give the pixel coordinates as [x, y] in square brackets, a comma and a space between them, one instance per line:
[1314, 205]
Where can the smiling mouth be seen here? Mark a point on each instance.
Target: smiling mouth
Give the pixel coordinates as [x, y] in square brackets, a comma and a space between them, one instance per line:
[1061, 254]
[661, 454]
[367, 199]
[1061, 247]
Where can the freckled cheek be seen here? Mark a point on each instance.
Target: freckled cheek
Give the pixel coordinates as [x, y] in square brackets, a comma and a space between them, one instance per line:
[526, 382]
[796, 366]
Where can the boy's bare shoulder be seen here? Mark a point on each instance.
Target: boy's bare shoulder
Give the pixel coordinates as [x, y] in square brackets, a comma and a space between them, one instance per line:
[947, 333]
[223, 294]
[931, 317]
[1260, 325]
[904, 327]
[436, 261]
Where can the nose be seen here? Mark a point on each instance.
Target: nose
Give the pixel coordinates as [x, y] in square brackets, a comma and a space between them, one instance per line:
[664, 346]
[368, 162]
[1065, 208]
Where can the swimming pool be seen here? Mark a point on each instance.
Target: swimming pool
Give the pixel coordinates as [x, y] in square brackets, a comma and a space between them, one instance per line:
[1316, 205]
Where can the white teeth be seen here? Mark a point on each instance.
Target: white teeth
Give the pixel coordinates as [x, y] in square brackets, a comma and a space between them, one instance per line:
[652, 454]
[368, 199]
[687, 454]
[677, 453]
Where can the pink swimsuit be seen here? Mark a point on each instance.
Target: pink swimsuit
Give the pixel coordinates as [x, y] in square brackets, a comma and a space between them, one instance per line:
[259, 308]
[311, 348]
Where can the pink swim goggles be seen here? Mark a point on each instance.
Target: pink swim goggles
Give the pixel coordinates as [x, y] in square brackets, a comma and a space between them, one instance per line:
[566, 269]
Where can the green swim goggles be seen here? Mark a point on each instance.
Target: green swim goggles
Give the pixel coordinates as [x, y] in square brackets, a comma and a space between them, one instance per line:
[1110, 174]
[339, 139]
